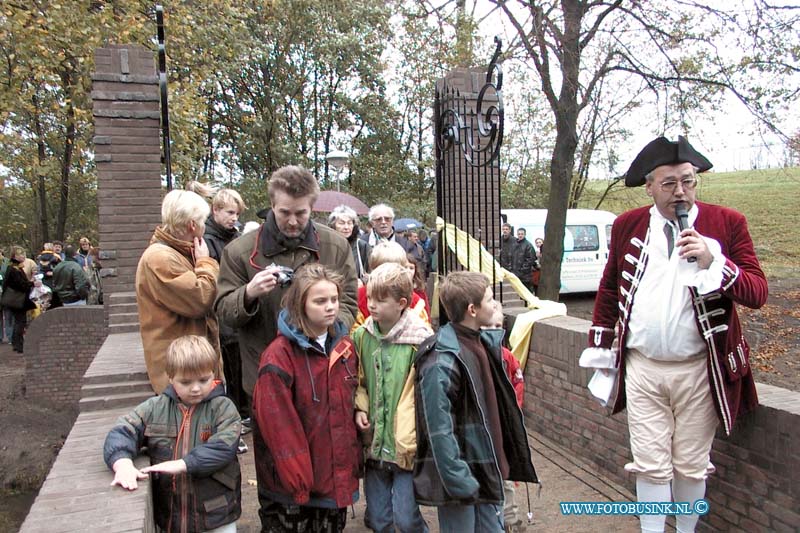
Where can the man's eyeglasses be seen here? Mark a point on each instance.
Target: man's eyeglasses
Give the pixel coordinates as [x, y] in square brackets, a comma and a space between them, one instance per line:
[382, 219]
[687, 184]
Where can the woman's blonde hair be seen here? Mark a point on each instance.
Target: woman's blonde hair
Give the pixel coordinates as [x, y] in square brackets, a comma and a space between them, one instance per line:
[180, 207]
[387, 252]
[294, 301]
[191, 355]
[226, 197]
[16, 250]
[219, 197]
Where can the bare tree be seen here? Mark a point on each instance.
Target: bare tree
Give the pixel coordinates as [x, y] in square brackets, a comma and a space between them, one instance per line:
[680, 51]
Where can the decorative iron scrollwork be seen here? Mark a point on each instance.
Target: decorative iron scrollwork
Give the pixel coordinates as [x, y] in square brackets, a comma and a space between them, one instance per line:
[454, 130]
[162, 88]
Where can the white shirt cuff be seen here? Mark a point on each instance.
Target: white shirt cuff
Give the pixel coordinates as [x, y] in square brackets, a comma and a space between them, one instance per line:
[598, 358]
[704, 280]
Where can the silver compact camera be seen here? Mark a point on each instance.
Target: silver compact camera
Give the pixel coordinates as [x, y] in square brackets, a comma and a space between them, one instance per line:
[283, 276]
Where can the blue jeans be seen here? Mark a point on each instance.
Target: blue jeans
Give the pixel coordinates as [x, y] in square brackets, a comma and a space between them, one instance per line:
[8, 324]
[390, 501]
[480, 518]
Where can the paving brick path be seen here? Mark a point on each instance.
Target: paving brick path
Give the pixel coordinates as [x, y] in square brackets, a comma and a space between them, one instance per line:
[564, 479]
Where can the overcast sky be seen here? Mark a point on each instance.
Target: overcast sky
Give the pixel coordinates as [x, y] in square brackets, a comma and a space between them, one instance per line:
[730, 137]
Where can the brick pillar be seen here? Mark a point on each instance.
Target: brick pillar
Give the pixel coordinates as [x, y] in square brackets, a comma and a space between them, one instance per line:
[128, 156]
[473, 192]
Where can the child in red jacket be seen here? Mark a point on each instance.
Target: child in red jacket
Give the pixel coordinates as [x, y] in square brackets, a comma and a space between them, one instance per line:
[512, 519]
[307, 451]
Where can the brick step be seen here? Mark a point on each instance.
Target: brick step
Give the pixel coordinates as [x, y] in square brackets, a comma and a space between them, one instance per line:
[128, 327]
[121, 298]
[112, 401]
[118, 387]
[114, 309]
[118, 377]
[115, 319]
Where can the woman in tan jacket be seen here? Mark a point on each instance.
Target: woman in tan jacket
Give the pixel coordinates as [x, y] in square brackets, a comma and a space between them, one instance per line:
[176, 283]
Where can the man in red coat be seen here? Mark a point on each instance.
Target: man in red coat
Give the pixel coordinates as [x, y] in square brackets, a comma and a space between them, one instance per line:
[670, 289]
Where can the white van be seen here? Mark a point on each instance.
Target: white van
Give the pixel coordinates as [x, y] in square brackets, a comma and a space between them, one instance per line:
[586, 241]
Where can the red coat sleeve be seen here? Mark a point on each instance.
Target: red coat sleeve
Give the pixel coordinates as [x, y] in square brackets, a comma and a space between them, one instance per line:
[743, 280]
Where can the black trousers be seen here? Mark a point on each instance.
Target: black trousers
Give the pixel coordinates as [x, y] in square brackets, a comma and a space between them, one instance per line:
[279, 518]
[20, 323]
[232, 367]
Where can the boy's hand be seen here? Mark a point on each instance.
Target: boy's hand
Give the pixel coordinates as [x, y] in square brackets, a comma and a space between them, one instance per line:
[177, 466]
[126, 475]
[362, 420]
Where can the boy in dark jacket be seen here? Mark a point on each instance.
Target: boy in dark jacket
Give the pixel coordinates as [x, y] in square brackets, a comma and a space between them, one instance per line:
[191, 431]
[470, 432]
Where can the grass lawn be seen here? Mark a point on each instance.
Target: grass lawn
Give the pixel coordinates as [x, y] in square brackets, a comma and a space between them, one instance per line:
[768, 198]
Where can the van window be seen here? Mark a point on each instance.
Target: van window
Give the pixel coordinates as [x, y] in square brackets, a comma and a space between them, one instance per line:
[581, 238]
[608, 236]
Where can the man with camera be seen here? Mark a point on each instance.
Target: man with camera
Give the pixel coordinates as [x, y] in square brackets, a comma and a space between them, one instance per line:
[256, 268]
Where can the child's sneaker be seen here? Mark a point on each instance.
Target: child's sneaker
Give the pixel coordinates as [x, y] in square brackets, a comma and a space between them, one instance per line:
[242, 448]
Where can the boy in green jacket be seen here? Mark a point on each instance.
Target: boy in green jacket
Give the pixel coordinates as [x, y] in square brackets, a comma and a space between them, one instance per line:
[387, 344]
[470, 431]
[191, 431]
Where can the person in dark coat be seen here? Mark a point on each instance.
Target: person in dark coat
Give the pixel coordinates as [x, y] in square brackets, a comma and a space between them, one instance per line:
[221, 228]
[345, 221]
[507, 245]
[16, 280]
[470, 430]
[70, 284]
[523, 259]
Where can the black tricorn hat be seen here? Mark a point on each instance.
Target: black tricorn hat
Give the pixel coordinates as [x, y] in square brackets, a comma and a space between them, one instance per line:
[662, 151]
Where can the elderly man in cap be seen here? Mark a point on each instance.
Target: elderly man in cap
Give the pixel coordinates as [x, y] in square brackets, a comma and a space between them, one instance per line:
[670, 288]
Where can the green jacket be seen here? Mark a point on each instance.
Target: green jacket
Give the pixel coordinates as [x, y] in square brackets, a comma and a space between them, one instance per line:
[455, 460]
[70, 282]
[209, 494]
[253, 252]
[4, 264]
[386, 386]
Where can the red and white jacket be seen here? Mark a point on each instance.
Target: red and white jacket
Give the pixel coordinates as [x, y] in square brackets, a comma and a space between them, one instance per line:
[743, 282]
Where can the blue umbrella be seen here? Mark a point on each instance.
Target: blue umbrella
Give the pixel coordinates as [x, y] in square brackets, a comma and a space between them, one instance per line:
[405, 224]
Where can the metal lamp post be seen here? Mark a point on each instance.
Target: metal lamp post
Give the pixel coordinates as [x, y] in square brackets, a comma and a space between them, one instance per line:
[337, 159]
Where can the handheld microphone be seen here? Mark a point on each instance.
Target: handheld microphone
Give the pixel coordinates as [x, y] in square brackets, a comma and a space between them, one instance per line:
[682, 215]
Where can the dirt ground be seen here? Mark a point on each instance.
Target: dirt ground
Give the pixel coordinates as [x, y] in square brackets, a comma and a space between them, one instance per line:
[29, 441]
[32, 435]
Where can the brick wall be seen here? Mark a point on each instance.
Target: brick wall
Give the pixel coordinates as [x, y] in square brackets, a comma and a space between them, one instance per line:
[757, 484]
[59, 346]
[128, 156]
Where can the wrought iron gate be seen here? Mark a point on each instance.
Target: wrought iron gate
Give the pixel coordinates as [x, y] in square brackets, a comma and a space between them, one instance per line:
[468, 141]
